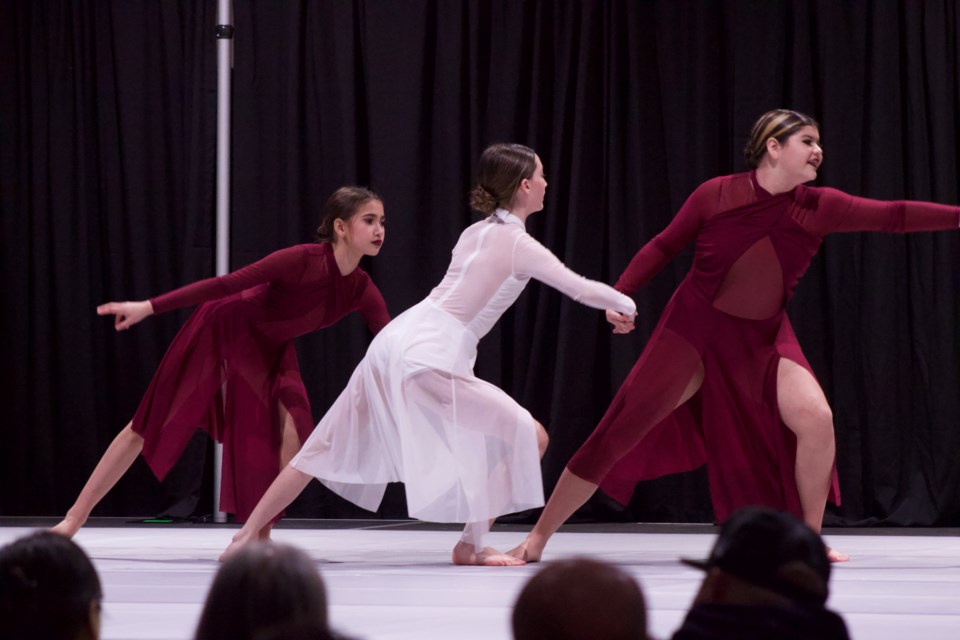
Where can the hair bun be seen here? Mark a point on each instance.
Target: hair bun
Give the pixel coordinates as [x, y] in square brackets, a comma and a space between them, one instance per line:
[482, 200]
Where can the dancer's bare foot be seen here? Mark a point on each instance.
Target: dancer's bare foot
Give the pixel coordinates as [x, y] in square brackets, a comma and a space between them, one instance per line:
[836, 556]
[467, 554]
[529, 550]
[240, 540]
[68, 527]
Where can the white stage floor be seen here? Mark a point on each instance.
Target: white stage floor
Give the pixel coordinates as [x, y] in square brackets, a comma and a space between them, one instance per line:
[392, 582]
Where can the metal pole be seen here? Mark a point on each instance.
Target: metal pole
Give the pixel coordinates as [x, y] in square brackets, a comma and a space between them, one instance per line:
[224, 68]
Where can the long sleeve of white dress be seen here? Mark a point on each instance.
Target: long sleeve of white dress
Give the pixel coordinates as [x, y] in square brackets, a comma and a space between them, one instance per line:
[492, 263]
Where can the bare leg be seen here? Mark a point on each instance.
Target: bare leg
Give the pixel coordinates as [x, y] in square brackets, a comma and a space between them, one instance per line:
[290, 439]
[805, 411]
[289, 446]
[118, 457]
[288, 485]
[542, 438]
[570, 494]
[470, 550]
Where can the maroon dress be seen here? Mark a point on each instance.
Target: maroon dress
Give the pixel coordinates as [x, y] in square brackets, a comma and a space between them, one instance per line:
[233, 363]
[728, 316]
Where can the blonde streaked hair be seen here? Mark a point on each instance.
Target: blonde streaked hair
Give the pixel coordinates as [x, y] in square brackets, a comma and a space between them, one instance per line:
[778, 124]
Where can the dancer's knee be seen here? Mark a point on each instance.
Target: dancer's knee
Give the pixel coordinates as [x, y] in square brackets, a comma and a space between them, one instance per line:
[543, 439]
[814, 427]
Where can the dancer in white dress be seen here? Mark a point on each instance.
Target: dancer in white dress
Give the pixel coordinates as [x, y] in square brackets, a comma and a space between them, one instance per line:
[414, 411]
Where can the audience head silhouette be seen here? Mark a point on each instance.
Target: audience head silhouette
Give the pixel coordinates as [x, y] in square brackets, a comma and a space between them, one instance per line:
[48, 589]
[767, 576]
[261, 590]
[774, 551]
[580, 599]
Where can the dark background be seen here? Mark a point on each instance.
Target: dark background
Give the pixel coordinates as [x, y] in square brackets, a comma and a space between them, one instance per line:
[107, 151]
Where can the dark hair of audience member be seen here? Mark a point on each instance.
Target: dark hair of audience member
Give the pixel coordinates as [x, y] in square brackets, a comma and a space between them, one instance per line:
[261, 589]
[302, 630]
[580, 599]
[48, 589]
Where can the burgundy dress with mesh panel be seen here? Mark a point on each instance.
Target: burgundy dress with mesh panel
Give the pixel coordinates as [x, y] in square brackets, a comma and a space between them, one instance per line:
[728, 315]
[233, 363]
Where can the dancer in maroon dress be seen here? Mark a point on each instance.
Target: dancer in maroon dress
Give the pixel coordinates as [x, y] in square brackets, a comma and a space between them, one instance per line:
[232, 369]
[722, 380]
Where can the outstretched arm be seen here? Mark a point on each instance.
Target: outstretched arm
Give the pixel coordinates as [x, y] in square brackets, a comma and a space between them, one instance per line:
[684, 227]
[534, 260]
[285, 263]
[126, 314]
[835, 210]
[654, 255]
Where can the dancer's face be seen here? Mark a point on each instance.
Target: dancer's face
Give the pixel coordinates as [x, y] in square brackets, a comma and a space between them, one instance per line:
[365, 229]
[538, 186]
[801, 155]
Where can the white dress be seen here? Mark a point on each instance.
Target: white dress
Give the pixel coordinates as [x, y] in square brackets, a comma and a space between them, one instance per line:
[414, 411]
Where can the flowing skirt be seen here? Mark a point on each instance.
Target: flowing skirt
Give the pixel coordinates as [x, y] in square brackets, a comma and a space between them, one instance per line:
[221, 376]
[414, 412]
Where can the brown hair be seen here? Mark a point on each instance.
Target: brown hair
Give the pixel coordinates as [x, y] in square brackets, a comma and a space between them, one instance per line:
[263, 586]
[551, 605]
[47, 584]
[778, 124]
[344, 202]
[502, 167]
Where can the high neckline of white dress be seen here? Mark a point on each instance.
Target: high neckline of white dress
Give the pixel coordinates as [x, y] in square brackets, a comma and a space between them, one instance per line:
[506, 216]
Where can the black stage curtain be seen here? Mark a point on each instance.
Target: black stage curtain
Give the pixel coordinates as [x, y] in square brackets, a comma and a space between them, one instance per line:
[106, 188]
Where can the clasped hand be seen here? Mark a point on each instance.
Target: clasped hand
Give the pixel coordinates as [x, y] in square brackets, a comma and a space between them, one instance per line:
[622, 322]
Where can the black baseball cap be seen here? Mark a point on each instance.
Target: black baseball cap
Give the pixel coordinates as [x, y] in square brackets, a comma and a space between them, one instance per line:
[774, 550]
